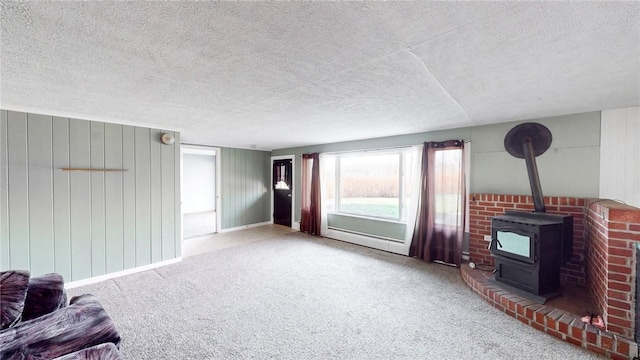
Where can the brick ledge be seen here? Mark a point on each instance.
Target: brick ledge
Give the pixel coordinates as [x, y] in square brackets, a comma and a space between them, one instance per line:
[559, 323]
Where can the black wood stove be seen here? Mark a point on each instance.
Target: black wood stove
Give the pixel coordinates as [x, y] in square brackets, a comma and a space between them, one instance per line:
[530, 247]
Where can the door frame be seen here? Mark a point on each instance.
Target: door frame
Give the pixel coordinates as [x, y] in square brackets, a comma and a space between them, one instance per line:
[209, 151]
[294, 225]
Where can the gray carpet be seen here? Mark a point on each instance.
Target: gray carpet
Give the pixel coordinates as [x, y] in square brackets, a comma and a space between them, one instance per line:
[299, 297]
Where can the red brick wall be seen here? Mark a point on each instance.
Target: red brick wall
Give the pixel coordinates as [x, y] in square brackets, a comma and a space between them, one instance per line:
[484, 206]
[613, 232]
[597, 256]
[604, 248]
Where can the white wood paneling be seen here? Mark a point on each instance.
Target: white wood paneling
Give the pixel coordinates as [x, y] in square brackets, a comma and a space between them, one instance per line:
[244, 174]
[80, 188]
[128, 197]
[156, 195]
[4, 194]
[18, 190]
[619, 161]
[98, 226]
[85, 224]
[39, 139]
[143, 196]
[61, 198]
[114, 239]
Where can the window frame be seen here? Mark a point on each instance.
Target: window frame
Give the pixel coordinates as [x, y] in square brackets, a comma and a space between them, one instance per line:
[401, 153]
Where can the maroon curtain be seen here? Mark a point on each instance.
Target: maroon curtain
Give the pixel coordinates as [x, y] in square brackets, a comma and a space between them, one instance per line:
[310, 213]
[440, 219]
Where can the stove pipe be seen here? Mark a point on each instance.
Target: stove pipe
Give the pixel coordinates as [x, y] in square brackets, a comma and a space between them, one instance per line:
[527, 141]
[534, 178]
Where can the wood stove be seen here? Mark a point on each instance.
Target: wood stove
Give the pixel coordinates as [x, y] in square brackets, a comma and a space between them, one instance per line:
[530, 247]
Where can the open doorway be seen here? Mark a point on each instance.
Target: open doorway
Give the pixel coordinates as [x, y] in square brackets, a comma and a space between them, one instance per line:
[282, 169]
[200, 191]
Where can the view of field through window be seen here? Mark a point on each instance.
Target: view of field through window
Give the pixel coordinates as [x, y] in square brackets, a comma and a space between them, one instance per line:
[373, 184]
[367, 184]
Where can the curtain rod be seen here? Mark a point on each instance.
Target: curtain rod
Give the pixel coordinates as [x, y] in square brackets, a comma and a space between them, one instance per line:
[367, 150]
[376, 149]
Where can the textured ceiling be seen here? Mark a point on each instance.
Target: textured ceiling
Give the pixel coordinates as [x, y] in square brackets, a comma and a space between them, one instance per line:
[278, 75]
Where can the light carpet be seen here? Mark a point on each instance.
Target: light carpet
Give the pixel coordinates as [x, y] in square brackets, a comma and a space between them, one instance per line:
[300, 297]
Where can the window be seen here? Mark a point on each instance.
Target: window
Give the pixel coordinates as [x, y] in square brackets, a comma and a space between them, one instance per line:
[448, 176]
[371, 184]
[281, 174]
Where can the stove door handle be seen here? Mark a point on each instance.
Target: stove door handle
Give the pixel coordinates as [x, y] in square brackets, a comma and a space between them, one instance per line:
[492, 241]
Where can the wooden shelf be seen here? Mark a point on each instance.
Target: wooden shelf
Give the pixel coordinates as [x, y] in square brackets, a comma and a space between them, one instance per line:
[93, 170]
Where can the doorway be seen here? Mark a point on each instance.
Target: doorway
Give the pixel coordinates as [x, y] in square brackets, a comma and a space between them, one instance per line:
[282, 189]
[200, 179]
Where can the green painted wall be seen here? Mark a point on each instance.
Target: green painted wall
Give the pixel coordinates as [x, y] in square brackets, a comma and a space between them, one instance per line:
[569, 168]
[245, 187]
[85, 224]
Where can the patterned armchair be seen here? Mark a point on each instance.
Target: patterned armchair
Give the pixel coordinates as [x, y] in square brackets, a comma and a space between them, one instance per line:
[36, 323]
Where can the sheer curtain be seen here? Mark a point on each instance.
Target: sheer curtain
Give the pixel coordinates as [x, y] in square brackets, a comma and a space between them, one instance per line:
[412, 193]
[327, 169]
[310, 216]
[440, 221]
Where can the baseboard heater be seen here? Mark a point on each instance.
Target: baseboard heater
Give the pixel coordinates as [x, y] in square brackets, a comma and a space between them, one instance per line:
[366, 234]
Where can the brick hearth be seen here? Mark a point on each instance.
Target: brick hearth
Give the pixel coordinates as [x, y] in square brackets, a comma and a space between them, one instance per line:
[606, 235]
[557, 322]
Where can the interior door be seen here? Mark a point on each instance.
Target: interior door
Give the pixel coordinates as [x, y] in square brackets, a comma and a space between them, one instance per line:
[282, 190]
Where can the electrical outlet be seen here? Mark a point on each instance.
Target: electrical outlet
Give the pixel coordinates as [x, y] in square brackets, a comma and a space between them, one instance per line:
[487, 238]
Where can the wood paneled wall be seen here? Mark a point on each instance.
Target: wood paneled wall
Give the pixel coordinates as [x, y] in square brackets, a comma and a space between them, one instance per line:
[245, 176]
[85, 224]
[619, 149]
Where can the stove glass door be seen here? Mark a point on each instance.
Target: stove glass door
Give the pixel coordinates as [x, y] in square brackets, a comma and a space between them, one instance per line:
[516, 244]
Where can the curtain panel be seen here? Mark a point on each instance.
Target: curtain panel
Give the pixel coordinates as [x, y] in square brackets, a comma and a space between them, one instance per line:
[439, 226]
[310, 213]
